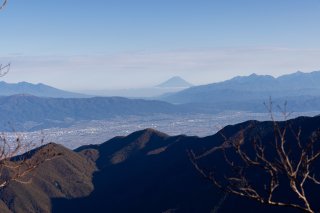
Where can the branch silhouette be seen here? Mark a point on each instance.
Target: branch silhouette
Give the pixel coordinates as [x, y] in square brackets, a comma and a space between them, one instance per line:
[3, 4]
[280, 165]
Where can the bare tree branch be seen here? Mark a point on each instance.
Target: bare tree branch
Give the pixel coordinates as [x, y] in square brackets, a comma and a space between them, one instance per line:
[4, 2]
[279, 165]
[17, 167]
[4, 69]
[11, 168]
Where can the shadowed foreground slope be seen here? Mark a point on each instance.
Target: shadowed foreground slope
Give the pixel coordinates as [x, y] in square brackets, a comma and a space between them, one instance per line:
[147, 171]
[68, 175]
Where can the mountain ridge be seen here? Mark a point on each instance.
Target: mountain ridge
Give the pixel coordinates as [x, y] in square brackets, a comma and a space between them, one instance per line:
[48, 181]
[252, 87]
[45, 112]
[146, 171]
[40, 90]
[167, 180]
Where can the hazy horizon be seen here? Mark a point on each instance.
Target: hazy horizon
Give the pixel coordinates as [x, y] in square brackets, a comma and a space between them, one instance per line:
[152, 87]
[103, 45]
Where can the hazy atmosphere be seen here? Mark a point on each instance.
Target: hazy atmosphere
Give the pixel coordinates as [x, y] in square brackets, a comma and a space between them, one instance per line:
[159, 106]
[107, 44]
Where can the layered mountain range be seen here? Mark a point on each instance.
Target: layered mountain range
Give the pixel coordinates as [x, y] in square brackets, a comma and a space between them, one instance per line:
[29, 112]
[249, 92]
[240, 88]
[146, 171]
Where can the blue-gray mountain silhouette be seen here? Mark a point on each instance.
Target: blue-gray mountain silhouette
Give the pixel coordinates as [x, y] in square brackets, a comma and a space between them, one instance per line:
[40, 90]
[175, 82]
[53, 112]
[253, 88]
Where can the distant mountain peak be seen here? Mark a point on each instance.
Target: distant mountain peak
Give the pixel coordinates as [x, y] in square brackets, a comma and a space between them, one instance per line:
[40, 90]
[253, 87]
[175, 81]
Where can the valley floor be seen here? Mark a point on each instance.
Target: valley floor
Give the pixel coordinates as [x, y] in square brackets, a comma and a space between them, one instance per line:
[95, 132]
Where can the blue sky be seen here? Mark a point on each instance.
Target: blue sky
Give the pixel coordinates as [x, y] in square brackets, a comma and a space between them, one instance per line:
[103, 44]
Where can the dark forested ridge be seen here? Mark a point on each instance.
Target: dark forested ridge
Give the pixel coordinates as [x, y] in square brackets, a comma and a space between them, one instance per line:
[146, 171]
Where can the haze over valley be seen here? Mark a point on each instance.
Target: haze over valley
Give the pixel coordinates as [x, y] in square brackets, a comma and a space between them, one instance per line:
[74, 119]
[159, 106]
